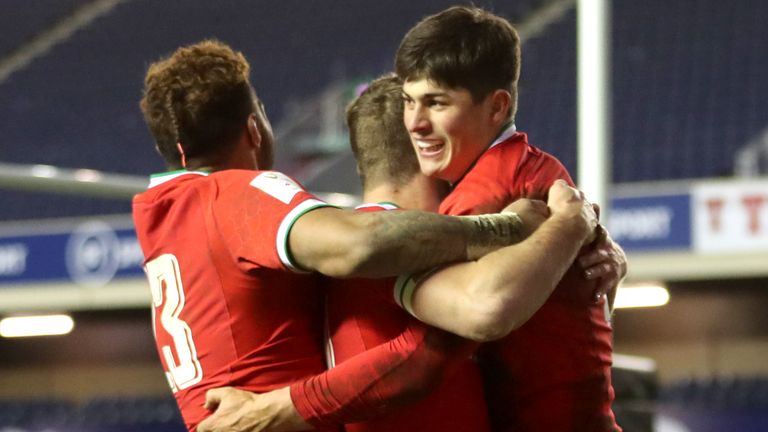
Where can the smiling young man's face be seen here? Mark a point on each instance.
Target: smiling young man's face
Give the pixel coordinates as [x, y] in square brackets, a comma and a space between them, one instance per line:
[448, 129]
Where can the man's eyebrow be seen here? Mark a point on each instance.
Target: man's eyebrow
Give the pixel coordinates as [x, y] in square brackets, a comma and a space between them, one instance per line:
[428, 95]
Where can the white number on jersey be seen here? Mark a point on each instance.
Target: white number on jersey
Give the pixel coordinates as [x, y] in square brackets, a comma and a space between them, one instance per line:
[168, 292]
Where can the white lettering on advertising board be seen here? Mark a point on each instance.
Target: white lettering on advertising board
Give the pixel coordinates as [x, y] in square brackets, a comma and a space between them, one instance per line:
[641, 223]
[730, 216]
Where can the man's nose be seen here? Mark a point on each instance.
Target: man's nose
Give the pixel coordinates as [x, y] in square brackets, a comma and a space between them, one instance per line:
[417, 121]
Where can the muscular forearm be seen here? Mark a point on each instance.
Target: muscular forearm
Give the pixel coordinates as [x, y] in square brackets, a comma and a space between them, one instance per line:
[412, 241]
[486, 299]
[529, 273]
[386, 377]
[353, 244]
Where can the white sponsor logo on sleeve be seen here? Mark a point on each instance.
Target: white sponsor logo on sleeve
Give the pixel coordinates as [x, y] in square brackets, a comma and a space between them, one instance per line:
[277, 185]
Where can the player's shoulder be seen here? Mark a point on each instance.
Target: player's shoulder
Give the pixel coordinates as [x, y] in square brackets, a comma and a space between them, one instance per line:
[274, 183]
[167, 184]
[241, 176]
[505, 155]
[516, 144]
[518, 147]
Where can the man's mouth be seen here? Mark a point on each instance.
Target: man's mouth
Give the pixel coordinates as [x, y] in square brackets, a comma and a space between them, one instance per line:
[429, 148]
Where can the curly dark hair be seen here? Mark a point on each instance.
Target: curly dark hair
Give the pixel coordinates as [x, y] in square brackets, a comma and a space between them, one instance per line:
[199, 97]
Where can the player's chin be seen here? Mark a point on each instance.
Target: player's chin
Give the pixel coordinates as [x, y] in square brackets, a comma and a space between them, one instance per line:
[429, 168]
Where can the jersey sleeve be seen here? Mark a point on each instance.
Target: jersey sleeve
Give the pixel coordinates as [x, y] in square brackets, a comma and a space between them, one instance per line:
[370, 384]
[259, 210]
[404, 288]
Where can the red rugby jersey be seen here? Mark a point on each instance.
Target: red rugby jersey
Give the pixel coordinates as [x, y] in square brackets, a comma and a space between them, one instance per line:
[362, 315]
[227, 308]
[553, 373]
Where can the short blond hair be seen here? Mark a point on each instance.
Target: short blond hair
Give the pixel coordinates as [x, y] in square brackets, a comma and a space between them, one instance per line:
[380, 142]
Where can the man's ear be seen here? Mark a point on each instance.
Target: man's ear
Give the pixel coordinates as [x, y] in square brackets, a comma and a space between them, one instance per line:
[254, 136]
[501, 102]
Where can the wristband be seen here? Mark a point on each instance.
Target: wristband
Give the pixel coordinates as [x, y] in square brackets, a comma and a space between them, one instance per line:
[403, 292]
[492, 231]
[405, 286]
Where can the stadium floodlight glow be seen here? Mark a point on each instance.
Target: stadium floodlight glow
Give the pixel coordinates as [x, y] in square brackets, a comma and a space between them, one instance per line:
[44, 171]
[40, 325]
[641, 295]
[87, 175]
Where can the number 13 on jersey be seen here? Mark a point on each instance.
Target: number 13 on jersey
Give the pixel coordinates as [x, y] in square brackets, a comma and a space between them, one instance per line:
[182, 366]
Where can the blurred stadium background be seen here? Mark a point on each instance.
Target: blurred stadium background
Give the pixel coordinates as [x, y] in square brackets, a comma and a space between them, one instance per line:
[688, 187]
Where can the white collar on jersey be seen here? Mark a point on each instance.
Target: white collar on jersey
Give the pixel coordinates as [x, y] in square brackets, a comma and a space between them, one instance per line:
[508, 132]
[505, 134]
[158, 179]
[386, 205]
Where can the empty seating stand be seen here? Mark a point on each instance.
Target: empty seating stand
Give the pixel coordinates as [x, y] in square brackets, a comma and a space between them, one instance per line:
[687, 80]
[112, 414]
[716, 404]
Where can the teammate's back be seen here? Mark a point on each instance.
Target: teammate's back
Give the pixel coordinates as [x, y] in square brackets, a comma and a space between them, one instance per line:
[226, 311]
[362, 314]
